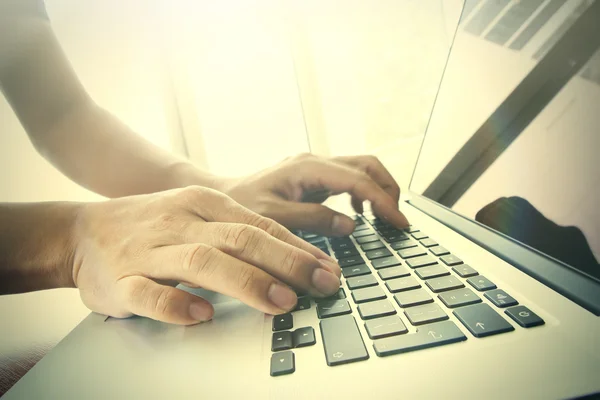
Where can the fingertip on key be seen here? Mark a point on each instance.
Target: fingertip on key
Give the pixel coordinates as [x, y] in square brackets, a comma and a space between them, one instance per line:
[332, 266]
[325, 282]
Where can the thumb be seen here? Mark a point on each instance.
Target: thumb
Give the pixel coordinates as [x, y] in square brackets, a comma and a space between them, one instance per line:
[313, 218]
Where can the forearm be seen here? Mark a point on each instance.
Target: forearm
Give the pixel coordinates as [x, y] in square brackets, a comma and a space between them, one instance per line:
[36, 246]
[99, 152]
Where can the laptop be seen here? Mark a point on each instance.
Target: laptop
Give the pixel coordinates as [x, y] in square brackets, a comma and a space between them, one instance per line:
[492, 292]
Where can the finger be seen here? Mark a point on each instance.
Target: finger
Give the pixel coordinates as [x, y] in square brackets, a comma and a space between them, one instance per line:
[146, 298]
[357, 205]
[214, 270]
[376, 170]
[254, 246]
[340, 178]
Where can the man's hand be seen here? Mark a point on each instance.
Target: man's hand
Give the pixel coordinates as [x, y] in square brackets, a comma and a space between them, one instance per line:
[291, 191]
[130, 252]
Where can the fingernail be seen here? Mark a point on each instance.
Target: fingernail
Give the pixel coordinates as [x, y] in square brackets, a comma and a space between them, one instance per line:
[325, 282]
[282, 296]
[342, 225]
[332, 267]
[200, 312]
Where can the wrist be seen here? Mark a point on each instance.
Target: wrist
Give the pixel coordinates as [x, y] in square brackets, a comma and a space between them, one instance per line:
[185, 174]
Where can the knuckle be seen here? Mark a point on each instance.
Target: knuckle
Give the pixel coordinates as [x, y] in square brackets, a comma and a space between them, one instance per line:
[291, 263]
[246, 279]
[267, 224]
[162, 302]
[240, 236]
[200, 259]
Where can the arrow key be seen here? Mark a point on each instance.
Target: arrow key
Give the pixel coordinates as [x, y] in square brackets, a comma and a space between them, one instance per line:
[281, 341]
[482, 320]
[282, 322]
[282, 363]
[303, 337]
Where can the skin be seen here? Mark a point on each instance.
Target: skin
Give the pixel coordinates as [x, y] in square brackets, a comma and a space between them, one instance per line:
[167, 222]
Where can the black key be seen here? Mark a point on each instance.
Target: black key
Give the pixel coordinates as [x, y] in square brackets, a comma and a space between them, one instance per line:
[282, 363]
[385, 262]
[380, 253]
[302, 304]
[332, 308]
[356, 270]
[281, 341]
[500, 298]
[350, 261]
[316, 239]
[406, 244]
[481, 283]
[342, 245]
[368, 294]
[384, 327]
[362, 233]
[367, 239]
[387, 230]
[372, 246]
[303, 337]
[433, 271]
[346, 253]
[419, 235]
[395, 237]
[428, 242]
[444, 283]
[361, 227]
[374, 309]
[413, 252]
[451, 259]
[402, 284]
[459, 298]
[427, 336]
[464, 270]
[482, 320]
[324, 250]
[342, 341]
[339, 295]
[358, 282]
[425, 314]
[393, 272]
[439, 250]
[422, 261]
[413, 298]
[309, 236]
[283, 322]
[524, 316]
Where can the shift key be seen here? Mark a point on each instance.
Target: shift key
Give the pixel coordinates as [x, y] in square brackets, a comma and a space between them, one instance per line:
[342, 340]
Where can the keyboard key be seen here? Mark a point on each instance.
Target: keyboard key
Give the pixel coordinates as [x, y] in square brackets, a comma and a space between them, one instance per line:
[524, 316]
[358, 282]
[281, 341]
[402, 284]
[303, 337]
[372, 246]
[367, 239]
[459, 298]
[342, 245]
[339, 295]
[427, 336]
[380, 253]
[500, 298]
[350, 261]
[332, 308]
[481, 283]
[346, 253]
[422, 261]
[360, 227]
[395, 237]
[419, 235]
[282, 363]
[482, 320]
[439, 250]
[425, 314]
[414, 252]
[385, 262]
[464, 270]
[411, 229]
[309, 236]
[413, 298]
[317, 240]
[393, 272]
[283, 322]
[375, 309]
[451, 259]
[433, 271]
[428, 242]
[444, 283]
[342, 341]
[356, 270]
[384, 327]
[362, 233]
[302, 304]
[368, 294]
[406, 244]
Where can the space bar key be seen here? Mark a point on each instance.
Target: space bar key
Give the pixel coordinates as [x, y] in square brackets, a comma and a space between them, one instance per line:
[342, 340]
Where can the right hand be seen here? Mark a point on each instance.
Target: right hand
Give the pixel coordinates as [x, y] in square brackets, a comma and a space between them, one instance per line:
[130, 252]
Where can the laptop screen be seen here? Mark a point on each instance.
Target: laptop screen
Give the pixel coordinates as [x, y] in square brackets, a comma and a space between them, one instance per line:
[514, 138]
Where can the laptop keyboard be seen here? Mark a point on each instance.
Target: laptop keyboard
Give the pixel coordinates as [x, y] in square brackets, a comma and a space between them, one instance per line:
[405, 267]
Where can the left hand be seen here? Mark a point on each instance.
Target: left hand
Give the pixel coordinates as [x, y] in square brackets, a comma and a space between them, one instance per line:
[291, 192]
